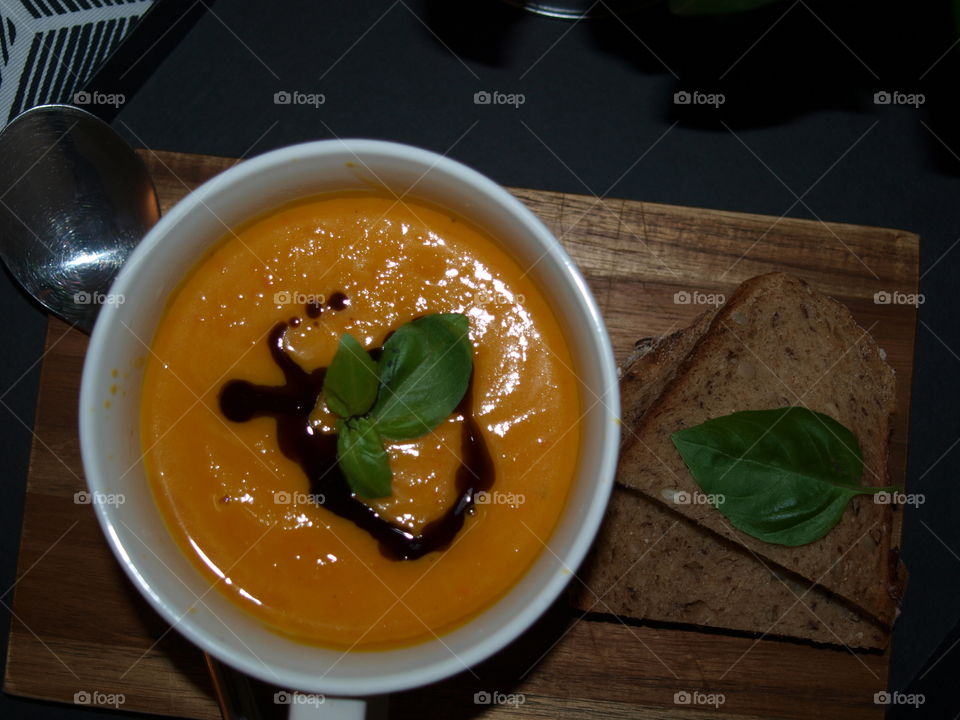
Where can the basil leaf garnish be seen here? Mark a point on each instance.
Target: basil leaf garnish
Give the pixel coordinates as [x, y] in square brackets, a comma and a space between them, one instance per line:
[784, 476]
[424, 373]
[350, 385]
[362, 458]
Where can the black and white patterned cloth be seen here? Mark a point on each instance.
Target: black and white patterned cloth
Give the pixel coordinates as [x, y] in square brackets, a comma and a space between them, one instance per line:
[50, 48]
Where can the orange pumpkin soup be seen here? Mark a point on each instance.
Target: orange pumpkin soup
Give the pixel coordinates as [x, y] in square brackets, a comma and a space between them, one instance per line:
[274, 298]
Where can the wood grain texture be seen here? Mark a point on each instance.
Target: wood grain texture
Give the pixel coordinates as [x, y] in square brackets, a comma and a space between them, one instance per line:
[79, 625]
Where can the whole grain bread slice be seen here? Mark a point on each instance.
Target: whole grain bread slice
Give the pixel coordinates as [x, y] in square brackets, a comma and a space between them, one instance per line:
[651, 563]
[650, 366]
[777, 342]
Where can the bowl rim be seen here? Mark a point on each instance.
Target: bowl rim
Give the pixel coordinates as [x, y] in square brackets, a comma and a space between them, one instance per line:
[93, 382]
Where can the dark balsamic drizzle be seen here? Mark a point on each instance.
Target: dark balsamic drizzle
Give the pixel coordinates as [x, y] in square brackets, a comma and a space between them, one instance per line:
[290, 406]
[338, 301]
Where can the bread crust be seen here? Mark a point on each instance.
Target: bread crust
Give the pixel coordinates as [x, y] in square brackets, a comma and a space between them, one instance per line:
[777, 342]
[651, 563]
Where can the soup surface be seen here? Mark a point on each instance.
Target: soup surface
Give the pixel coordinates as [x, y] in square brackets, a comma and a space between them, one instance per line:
[248, 515]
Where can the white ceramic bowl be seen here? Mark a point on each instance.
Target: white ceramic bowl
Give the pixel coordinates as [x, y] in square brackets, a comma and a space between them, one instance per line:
[110, 438]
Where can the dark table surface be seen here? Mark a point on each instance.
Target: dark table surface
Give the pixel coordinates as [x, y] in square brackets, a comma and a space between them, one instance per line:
[798, 134]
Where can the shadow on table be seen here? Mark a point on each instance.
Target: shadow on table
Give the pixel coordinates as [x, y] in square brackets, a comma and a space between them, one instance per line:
[797, 57]
[479, 30]
[770, 65]
[468, 694]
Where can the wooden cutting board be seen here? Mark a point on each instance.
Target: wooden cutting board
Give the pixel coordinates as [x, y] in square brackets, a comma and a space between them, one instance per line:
[80, 627]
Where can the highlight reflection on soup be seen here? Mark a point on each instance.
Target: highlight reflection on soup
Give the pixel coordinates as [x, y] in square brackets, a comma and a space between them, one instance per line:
[236, 474]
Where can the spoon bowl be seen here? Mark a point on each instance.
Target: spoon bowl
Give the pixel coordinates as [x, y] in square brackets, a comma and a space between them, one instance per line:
[74, 202]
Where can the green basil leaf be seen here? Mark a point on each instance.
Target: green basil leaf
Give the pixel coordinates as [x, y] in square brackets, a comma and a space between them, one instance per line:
[784, 476]
[350, 385]
[424, 373]
[714, 7]
[362, 458]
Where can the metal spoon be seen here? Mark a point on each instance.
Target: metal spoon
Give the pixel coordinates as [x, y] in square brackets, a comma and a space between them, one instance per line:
[75, 200]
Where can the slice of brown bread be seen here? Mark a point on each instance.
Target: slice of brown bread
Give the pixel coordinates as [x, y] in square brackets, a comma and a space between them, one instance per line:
[651, 563]
[650, 367]
[777, 342]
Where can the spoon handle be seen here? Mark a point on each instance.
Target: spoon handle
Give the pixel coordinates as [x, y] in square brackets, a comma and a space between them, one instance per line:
[233, 690]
